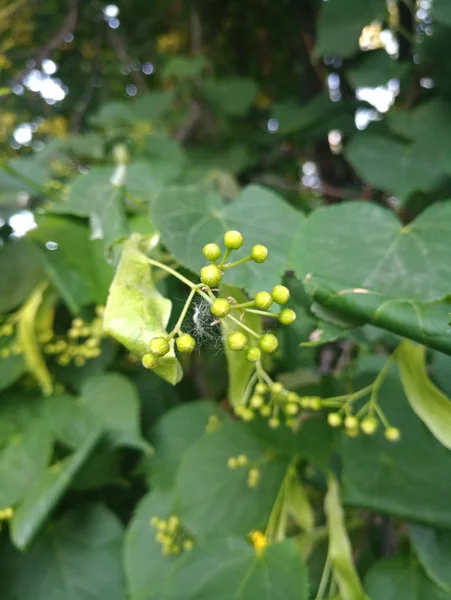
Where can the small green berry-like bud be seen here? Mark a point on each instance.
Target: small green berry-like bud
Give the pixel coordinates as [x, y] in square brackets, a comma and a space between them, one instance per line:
[334, 419]
[268, 343]
[159, 346]
[220, 308]
[263, 300]
[237, 341]
[351, 422]
[287, 316]
[261, 388]
[315, 402]
[392, 434]
[256, 401]
[369, 425]
[253, 354]
[211, 251]
[291, 408]
[233, 240]
[210, 275]
[265, 410]
[280, 294]
[185, 343]
[277, 388]
[259, 253]
[292, 397]
[149, 361]
[274, 422]
[248, 414]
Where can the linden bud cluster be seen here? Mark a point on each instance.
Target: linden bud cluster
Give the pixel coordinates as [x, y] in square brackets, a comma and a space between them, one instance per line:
[170, 533]
[253, 473]
[368, 425]
[160, 346]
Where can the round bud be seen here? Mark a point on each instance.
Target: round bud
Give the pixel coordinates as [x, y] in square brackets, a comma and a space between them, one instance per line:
[274, 422]
[185, 343]
[293, 397]
[315, 402]
[256, 401]
[261, 388]
[220, 308]
[263, 300]
[351, 422]
[159, 346]
[210, 275]
[291, 408]
[237, 341]
[253, 355]
[211, 251]
[149, 361]
[259, 253]
[334, 419]
[392, 434]
[268, 343]
[233, 240]
[280, 294]
[287, 316]
[369, 425]
[352, 433]
[265, 410]
[248, 414]
[277, 388]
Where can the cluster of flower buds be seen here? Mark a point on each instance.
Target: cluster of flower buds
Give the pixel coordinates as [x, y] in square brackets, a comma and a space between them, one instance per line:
[160, 346]
[275, 403]
[253, 472]
[173, 538]
[367, 425]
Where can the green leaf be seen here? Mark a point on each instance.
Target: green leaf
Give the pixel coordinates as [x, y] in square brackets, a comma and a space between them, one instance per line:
[394, 166]
[70, 419]
[98, 196]
[112, 400]
[12, 367]
[401, 578]
[136, 312]
[27, 338]
[42, 498]
[428, 402]
[206, 488]
[190, 217]
[373, 274]
[22, 461]
[76, 557]
[341, 22]
[230, 568]
[410, 478]
[173, 434]
[147, 569]
[376, 68]
[77, 267]
[232, 97]
[433, 549]
[239, 369]
[293, 117]
[184, 67]
[147, 179]
[152, 106]
[21, 271]
[340, 550]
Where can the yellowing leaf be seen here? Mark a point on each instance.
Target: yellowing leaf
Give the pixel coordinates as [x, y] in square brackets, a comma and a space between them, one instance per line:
[28, 340]
[136, 312]
[429, 403]
[340, 551]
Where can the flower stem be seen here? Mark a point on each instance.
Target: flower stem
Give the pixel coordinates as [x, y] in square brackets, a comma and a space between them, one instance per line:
[245, 304]
[241, 261]
[224, 258]
[263, 313]
[180, 320]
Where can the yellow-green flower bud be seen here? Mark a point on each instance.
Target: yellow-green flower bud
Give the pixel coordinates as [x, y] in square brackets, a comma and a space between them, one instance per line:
[268, 343]
[211, 251]
[274, 422]
[259, 253]
[287, 316]
[277, 388]
[291, 408]
[237, 341]
[210, 275]
[351, 422]
[253, 355]
[334, 419]
[265, 410]
[185, 343]
[233, 240]
[263, 300]
[256, 401]
[392, 434]
[369, 425]
[261, 388]
[159, 346]
[149, 361]
[280, 294]
[220, 308]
